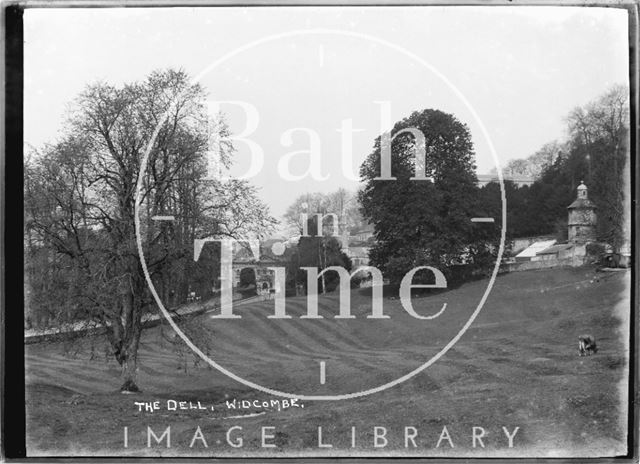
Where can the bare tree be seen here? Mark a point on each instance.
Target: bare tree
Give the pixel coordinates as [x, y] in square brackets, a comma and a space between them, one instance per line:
[80, 198]
[600, 131]
[341, 202]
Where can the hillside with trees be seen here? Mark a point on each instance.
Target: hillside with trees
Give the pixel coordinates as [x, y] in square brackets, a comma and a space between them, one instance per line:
[597, 152]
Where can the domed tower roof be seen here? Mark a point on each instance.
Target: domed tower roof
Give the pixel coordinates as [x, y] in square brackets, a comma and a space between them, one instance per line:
[582, 200]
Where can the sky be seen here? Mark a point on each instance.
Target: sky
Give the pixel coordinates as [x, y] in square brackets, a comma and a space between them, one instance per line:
[511, 74]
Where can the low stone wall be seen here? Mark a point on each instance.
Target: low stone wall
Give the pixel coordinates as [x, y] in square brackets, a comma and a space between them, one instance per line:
[83, 329]
[540, 264]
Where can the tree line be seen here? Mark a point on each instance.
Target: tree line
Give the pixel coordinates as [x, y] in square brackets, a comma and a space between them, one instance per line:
[596, 151]
[421, 223]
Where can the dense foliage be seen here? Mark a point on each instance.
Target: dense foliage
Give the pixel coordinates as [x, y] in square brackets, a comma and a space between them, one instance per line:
[423, 223]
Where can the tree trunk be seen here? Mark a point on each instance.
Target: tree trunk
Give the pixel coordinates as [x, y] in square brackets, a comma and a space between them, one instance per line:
[128, 359]
[127, 349]
[129, 369]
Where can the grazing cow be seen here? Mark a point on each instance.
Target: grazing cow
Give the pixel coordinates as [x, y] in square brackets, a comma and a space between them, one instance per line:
[587, 345]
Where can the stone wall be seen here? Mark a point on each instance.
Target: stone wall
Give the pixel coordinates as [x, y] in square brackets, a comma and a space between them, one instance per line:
[540, 264]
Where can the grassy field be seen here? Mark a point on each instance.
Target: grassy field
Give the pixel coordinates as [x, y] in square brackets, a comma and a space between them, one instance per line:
[517, 366]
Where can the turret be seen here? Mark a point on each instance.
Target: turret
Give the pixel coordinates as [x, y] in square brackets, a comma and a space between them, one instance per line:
[582, 218]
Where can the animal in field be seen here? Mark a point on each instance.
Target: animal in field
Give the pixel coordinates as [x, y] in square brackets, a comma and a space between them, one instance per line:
[587, 345]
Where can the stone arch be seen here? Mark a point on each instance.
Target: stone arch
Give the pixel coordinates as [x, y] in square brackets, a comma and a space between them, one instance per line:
[246, 284]
[237, 271]
[261, 273]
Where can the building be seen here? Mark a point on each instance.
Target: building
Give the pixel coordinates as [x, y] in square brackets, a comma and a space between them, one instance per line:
[356, 242]
[520, 243]
[535, 249]
[548, 253]
[520, 181]
[359, 256]
[582, 218]
[263, 276]
[362, 234]
[563, 251]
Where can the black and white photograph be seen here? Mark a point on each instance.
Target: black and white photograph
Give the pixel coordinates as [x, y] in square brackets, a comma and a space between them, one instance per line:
[338, 231]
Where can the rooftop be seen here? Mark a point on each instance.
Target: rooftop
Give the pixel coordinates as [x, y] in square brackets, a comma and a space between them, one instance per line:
[581, 203]
[536, 247]
[555, 249]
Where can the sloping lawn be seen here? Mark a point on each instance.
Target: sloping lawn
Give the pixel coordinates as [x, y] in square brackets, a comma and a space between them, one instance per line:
[516, 366]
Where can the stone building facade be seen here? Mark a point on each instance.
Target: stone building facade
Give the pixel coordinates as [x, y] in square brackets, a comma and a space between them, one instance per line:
[582, 218]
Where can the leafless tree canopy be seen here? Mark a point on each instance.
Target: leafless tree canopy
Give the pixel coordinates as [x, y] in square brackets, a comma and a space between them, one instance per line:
[80, 197]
